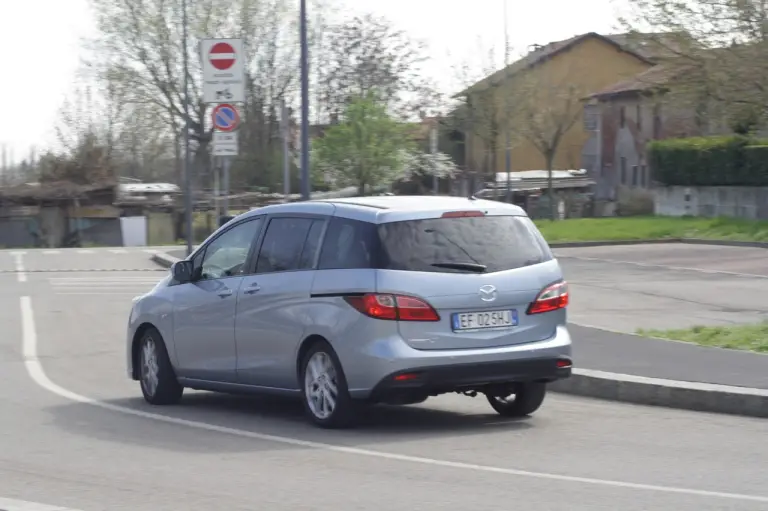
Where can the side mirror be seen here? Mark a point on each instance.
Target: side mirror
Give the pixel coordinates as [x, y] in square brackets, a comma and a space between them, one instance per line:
[182, 271]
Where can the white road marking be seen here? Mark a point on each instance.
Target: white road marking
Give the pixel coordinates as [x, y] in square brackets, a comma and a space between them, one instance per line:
[51, 252]
[666, 267]
[85, 251]
[95, 286]
[149, 251]
[25, 505]
[37, 373]
[18, 258]
[117, 251]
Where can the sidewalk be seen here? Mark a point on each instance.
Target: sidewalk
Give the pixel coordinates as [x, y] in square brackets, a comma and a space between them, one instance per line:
[654, 358]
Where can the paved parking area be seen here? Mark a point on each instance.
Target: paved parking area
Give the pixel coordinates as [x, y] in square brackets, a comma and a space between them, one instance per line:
[664, 286]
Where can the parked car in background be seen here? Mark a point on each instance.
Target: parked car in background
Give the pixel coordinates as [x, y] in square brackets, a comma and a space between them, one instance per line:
[348, 302]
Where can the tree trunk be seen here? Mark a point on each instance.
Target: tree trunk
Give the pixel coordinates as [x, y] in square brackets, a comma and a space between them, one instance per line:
[550, 188]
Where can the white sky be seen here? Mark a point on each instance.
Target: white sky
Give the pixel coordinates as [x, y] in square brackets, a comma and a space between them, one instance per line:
[39, 70]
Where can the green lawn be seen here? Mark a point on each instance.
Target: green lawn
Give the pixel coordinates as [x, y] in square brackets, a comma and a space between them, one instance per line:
[636, 228]
[738, 337]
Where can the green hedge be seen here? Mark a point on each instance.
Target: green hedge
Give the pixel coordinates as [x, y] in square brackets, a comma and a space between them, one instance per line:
[710, 161]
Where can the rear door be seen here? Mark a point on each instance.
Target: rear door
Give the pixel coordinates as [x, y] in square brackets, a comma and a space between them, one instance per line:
[479, 272]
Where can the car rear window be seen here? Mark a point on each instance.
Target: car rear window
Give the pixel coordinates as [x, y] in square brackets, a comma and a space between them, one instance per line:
[497, 242]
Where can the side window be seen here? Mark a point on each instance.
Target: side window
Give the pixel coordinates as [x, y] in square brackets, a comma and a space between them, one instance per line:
[349, 244]
[283, 243]
[311, 245]
[225, 256]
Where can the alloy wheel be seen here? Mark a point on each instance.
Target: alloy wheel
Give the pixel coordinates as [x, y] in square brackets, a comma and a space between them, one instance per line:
[150, 370]
[321, 385]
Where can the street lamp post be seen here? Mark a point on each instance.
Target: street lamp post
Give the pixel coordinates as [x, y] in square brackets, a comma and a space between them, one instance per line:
[305, 184]
[186, 165]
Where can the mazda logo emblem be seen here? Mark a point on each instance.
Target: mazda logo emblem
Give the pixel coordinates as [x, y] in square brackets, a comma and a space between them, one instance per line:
[488, 293]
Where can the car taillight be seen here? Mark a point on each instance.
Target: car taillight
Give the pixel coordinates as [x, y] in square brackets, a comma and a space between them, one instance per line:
[551, 298]
[393, 307]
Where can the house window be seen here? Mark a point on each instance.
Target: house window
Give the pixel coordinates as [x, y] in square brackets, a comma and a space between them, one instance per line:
[622, 116]
[635, 177]
[590, 117]
[623, 170]
[639, 118]
[657, 122]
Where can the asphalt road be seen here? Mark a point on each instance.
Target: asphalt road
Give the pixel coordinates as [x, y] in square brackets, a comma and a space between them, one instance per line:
[666, 286]
[76, 434]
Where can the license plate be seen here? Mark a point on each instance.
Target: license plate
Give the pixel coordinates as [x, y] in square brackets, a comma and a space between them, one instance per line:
[484, 320]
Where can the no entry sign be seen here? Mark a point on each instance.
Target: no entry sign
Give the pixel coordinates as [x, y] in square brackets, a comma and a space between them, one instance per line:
[222, 56]
[223, 72]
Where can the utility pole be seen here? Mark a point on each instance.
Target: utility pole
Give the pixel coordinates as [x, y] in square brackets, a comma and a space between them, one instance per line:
[285, 132]
[305, 184]
[507, 155]
[433, 150]
[186, 166]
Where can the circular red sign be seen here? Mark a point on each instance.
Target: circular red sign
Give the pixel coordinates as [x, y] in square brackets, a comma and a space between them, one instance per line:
[222, 56]
[225, 117]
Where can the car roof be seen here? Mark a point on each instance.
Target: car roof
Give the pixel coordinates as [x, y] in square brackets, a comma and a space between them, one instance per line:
[392, 208]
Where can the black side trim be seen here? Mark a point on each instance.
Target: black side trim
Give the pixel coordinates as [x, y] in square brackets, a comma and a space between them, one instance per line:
[335, 295]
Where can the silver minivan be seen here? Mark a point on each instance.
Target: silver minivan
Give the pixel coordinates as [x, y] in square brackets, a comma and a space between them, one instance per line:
[348, 302]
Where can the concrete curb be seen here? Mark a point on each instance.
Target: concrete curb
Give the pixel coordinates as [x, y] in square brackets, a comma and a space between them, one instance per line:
[691, 241]
[701, 397]
[641, 390]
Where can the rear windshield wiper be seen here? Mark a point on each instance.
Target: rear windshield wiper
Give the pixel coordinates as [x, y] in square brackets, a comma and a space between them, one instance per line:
[479, 268]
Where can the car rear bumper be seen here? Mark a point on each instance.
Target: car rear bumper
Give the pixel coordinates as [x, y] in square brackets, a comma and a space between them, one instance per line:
[374, 374]
[436, 380]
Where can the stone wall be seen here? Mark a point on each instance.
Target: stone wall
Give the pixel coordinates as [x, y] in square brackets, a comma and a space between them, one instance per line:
[712, 201]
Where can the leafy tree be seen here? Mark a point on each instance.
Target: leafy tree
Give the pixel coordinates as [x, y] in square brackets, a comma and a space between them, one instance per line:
[365, 149]
[720, 48]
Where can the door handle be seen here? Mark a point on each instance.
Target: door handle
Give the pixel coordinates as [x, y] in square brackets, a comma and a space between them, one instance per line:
[255, 288]
[225, 293]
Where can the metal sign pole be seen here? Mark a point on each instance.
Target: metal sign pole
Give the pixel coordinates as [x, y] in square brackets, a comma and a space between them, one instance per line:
[433, 150]
[216, 184]
[226, 163]
[305, 183]
[286, 154]
[188, 204]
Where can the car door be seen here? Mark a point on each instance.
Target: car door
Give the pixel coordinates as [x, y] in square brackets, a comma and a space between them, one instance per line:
[272, 303]
[204, 309]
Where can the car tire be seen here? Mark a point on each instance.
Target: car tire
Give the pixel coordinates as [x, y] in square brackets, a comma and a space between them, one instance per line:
[320, 374]
[156, 375]
[526, 399]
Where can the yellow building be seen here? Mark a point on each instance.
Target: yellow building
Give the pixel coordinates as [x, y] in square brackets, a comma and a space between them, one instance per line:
[535, 105]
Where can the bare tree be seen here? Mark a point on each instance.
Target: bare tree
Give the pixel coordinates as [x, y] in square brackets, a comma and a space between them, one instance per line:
[367, 54]
[542, 105]
[141, 43]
